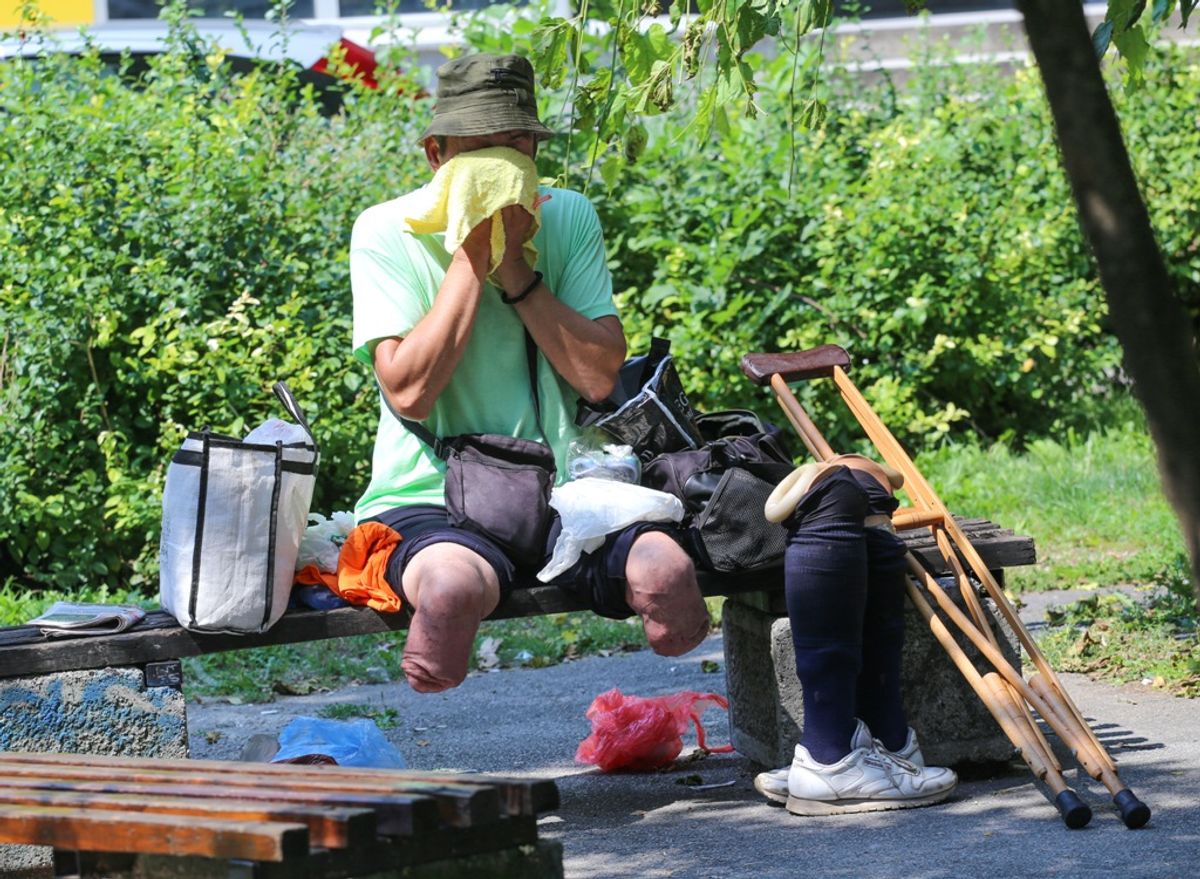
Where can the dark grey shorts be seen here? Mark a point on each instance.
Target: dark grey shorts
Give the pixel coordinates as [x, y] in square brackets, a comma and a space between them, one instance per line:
[597, 578]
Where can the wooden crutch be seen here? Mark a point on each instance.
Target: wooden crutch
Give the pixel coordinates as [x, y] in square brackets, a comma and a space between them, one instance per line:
[1002, 692]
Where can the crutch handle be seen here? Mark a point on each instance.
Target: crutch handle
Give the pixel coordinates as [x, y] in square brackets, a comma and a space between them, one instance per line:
[906, 518]
[1133, 811]
[1075, 812]
[812, 363]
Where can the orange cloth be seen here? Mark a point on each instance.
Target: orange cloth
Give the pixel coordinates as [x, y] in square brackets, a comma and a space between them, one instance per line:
[361, 568]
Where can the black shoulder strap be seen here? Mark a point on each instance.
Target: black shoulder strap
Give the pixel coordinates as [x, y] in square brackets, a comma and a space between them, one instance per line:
[659, 348]
[531, 360]
[422, 433]
[439, 447]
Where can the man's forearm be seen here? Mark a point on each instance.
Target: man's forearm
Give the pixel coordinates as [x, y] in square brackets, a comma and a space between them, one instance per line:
[587, 353]
[414, 371]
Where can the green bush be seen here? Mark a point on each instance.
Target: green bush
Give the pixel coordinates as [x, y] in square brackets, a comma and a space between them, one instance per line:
[935, 238]
[171, 246]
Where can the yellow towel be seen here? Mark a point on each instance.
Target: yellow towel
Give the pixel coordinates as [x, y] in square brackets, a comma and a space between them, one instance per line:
[474, 186]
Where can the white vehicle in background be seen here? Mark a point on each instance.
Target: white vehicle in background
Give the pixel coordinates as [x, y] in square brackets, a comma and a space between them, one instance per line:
[314, 27]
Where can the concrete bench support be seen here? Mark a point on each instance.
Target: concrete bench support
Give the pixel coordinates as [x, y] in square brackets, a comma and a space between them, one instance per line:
[766, 705]
[98, 711]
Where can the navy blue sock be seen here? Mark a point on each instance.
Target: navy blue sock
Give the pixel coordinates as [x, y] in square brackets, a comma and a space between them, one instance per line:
[880, 702]
[825, 576]
[879, 699]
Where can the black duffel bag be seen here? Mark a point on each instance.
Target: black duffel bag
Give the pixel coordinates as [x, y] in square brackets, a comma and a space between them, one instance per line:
[648, 409]
[723, 486]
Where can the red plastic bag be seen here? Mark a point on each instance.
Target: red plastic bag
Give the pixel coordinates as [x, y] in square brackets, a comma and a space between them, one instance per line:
[635, 732]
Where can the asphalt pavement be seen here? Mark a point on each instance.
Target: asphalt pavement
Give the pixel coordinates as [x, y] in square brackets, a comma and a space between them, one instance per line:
[702, 818]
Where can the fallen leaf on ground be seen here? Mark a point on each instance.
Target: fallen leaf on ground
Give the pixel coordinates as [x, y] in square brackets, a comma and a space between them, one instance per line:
[487, 657]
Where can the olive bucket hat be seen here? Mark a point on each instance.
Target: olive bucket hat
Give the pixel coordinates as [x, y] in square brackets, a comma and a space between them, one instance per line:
[485, 94]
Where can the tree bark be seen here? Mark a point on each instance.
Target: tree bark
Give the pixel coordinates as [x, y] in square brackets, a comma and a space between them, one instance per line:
[1149, 320]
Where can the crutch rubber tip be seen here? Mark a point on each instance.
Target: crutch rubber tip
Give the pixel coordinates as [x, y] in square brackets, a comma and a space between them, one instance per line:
[1133, 811]
[1075, 812]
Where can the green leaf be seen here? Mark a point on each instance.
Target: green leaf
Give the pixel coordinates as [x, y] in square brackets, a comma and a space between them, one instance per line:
[660, 41]
[814, 14]
[751, 27]
[550, 51]
[639, 53]
[1133, 48]
[1124, 13]
[812, 114]
[634, 142]
[610, 170]
[1102, 37]
[1185, 10]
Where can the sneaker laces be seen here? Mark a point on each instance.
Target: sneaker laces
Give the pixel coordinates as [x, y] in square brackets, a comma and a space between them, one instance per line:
[889, 759]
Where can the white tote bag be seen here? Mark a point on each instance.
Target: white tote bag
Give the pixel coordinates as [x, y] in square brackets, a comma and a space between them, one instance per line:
[234, 512]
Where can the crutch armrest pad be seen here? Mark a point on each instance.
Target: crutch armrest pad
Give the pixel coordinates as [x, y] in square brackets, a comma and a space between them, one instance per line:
[799, 365]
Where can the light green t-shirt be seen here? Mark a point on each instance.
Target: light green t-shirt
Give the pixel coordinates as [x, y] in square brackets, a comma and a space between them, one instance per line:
[395, 275]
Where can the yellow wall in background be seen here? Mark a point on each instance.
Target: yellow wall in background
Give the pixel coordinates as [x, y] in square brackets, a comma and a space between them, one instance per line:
[64, 12]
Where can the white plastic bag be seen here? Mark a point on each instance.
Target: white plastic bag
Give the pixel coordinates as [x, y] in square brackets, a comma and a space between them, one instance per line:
[233, 515]
[323, 539]
[591, 508]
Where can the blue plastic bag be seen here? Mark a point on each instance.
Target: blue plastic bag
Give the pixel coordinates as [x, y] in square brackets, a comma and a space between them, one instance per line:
[357, 742]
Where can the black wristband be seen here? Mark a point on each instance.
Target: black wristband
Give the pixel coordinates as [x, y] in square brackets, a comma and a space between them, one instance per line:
[513, 300]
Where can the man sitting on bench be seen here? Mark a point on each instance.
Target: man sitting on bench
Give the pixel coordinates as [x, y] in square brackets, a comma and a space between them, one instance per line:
[445, 330]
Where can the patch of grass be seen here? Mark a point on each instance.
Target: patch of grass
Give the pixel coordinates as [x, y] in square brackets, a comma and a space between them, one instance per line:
[293, 669]
[1115, 637]
[1093, 505]
[385, 718]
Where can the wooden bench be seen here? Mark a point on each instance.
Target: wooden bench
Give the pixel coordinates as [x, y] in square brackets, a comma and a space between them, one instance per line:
[114, 816]
[158, 641]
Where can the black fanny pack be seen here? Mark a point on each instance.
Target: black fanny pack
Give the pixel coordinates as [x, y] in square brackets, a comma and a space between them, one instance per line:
[499, 486]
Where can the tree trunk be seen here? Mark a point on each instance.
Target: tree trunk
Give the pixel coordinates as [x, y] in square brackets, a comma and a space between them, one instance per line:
[1150, 322]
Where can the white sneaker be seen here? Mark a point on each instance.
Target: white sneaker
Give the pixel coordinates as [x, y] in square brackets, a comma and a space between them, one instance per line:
[773, 784]
[865, 780]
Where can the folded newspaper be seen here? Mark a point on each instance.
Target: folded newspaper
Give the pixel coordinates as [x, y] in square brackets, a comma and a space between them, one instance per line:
[68, 618]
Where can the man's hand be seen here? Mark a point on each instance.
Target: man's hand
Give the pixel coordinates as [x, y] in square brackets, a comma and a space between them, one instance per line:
[518, 224]
[518, 227]
[476, 248]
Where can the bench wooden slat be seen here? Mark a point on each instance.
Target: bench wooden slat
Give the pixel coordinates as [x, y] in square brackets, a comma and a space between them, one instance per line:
[328, 827]
[519, 796]
[99, 831]
[459, 805]
[395, 815]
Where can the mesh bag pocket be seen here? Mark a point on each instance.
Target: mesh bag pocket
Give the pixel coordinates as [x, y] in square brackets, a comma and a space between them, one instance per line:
[731, 532]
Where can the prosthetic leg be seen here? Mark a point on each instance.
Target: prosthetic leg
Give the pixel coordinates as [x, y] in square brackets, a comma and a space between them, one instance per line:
[1005, 691]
